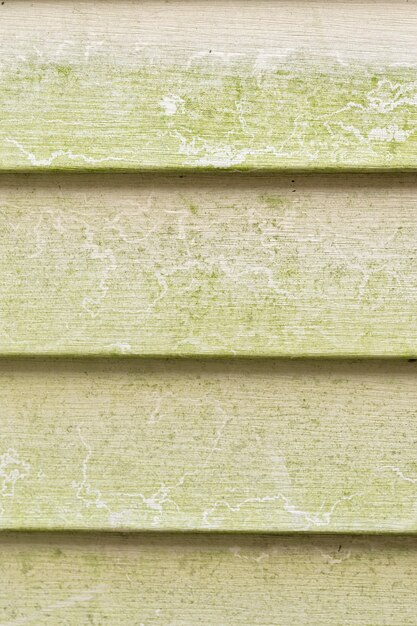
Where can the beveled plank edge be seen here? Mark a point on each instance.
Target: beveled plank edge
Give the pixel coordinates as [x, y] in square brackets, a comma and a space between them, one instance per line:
[208, 356]
[173, 531]
[410, 168]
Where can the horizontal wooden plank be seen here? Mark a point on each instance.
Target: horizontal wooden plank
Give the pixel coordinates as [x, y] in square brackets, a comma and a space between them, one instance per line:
[248, 445]
[201, 84]
[212, 265]
[187, 580]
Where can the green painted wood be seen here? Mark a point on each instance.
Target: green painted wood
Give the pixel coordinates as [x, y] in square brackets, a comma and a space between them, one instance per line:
[137, 580]
[202, 85]
[209, 265]
[247, 445]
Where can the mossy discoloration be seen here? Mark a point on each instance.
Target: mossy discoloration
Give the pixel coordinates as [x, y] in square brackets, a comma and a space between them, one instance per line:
[209, 266]
[252, 445]
[180, 580]
[310, 114]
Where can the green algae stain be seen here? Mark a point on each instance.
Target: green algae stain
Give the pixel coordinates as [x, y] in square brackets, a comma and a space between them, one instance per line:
[64, 70]
[308, 114]
[203, 274]
[273, 202]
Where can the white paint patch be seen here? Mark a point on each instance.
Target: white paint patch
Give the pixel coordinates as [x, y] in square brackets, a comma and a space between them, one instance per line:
[170, 104]
[122, 347]
[12, 469]
[389, 133]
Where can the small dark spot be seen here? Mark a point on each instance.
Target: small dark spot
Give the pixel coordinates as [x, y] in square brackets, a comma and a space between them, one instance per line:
[2, 3]
[293, 181]
[209, 51]
[412, 360]
[294, 190]
[181, 176]
[339, 548]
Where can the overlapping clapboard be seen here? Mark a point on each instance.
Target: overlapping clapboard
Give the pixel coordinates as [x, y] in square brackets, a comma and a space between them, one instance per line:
[286, 85]
[172, 260]
[229, 580]
[288, 265]
[208, 179]
[175, 259]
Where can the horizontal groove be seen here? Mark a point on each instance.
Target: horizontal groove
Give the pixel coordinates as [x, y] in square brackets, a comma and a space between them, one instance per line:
[188, 363]
[170, 533]
[98, 357]
[189, 537]
[208, 171]
[393, 177]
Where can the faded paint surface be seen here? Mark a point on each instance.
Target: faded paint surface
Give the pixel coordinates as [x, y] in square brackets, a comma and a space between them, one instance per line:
[281, 87]
[289, 265]
[190, 265]
[264, 446]
[75, 580]
[300, 114]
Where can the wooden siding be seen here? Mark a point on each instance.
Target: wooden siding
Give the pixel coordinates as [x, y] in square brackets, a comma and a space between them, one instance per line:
[126, 230]
[267, 446]
[209, 265]
[96, 579]
[208, 84]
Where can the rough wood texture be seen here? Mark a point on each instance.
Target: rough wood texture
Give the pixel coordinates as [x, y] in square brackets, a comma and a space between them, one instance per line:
[203, 445]
[224, 84]
[168, 260]
[216, 265]
[74, 580]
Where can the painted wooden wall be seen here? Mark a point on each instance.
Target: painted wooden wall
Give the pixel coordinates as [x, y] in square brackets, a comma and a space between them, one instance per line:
[208, 312]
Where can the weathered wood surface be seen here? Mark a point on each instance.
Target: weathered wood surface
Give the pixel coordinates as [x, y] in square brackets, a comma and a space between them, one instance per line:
[224, 84]
[215, 265]
[139, 580]
[196, 264]
[263, 446]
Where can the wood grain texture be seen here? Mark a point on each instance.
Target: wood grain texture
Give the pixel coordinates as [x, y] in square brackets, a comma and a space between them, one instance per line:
[251, 445]
[209, 265]
[201, 84]
[136, 580]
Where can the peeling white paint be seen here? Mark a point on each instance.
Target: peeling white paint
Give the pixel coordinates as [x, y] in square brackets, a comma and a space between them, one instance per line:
[170, 104]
